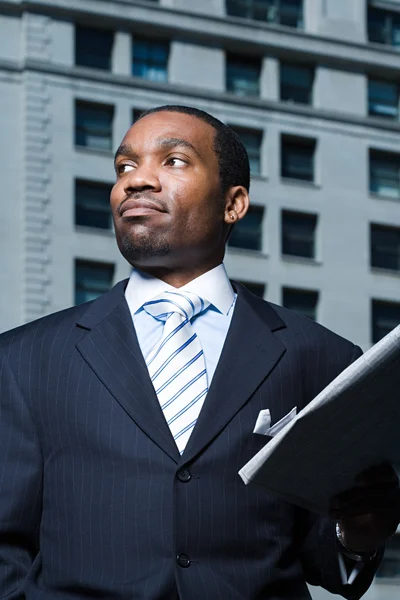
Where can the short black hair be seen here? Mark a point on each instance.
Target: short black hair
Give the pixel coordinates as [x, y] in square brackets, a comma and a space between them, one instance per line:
[233, 160]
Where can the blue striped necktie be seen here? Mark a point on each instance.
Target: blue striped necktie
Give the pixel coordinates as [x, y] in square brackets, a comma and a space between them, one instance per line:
[176, 364]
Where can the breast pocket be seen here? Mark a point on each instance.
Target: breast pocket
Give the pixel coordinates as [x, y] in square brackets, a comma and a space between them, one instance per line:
[257, 441]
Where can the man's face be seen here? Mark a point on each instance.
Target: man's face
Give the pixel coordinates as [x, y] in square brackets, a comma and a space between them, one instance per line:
[167, 204]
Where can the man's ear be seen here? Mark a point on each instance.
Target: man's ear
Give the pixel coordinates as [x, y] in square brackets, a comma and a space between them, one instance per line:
[236, 204]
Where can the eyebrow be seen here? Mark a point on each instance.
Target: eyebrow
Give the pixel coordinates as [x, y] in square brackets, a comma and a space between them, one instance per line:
[163, 144]
[123, 150]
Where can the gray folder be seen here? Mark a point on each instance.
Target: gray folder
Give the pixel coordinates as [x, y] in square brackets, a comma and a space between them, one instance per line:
[353, 424]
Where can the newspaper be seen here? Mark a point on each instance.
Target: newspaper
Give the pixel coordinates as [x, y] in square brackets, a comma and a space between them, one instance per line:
[353, 424]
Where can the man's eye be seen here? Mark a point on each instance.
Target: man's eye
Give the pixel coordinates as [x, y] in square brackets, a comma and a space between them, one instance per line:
[176, 162]
[124, 169]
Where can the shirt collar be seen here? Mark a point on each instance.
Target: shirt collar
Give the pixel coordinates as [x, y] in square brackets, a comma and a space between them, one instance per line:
[213, 286]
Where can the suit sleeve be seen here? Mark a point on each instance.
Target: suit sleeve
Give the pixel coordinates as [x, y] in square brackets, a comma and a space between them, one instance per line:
[20, 486]
[320, 550]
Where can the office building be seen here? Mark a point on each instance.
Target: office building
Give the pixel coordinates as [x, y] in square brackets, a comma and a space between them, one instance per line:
[311, 86]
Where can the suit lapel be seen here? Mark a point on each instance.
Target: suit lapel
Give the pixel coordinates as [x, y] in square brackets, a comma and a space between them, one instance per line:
[111, 349]
[249, 354]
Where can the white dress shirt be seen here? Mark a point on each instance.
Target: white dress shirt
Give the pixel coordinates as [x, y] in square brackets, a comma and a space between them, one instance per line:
[211, 326]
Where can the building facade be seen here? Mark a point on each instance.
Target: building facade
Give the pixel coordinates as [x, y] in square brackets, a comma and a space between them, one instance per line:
[311, 86]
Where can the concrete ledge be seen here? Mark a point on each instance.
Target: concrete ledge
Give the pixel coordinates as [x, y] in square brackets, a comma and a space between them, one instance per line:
[230, 32]
[97, 76]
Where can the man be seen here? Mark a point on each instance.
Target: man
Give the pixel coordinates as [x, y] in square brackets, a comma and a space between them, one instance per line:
[124, 422]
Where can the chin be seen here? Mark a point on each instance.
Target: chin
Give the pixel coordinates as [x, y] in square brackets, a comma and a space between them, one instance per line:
[143, 249]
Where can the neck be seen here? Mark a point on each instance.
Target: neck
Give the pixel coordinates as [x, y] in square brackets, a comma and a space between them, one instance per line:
[178, 278]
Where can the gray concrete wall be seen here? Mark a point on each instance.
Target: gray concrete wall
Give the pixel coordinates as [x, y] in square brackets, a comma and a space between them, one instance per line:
[12, 215]
[10, 39]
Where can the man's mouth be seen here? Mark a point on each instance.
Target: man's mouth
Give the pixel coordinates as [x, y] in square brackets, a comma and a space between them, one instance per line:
[138, 208]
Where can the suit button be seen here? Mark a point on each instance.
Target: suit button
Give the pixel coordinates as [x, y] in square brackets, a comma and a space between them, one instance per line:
[183, 560]
[184, 475]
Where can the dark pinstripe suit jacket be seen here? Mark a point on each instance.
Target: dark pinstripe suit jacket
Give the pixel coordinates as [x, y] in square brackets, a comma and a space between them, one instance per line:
[95, 500]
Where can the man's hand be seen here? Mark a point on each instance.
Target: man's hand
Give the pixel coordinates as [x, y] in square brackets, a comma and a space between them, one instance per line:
[369, 513]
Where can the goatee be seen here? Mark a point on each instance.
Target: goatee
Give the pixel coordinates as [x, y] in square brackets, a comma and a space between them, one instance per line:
[142, 248]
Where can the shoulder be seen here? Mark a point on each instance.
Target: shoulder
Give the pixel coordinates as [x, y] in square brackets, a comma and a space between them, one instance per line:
[307, 330]
[57, 324]
[319, 353]
[68, 324]
[307, 335]
[307, 343]
[289, 324]
[313, 354]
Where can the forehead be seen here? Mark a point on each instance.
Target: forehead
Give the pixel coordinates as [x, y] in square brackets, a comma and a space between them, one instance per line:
[162, 125]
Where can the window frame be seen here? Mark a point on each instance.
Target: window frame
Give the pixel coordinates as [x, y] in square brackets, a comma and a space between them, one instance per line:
[390, 24]
[389, 304]
[87, 105]
[382, 159]
[235, 61]
[86, 263]
[279, 11]
[291, 142]
[395, 116]
[312, 218]
[314, 294]
[284, 65]
[388, 249]
[149, 61]
[81, 35]
[79, 182]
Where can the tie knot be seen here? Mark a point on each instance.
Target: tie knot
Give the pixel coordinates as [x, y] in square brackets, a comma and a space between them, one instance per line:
[186, 304]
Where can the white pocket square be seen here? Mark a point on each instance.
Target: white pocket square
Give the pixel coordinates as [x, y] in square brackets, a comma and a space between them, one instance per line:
[263, 423]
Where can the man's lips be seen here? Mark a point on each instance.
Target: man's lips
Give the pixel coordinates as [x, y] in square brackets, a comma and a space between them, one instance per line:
[136, 208]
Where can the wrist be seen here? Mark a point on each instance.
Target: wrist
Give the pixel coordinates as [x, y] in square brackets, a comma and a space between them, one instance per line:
[355, 555]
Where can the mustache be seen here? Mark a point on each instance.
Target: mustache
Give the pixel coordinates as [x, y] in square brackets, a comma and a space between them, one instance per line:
[143, 197]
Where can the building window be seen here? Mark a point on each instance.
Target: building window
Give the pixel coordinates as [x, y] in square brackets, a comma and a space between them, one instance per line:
[243, 75]
[93, 47]
[384, 27]
[383, 99]
[390, 566]
[255, 288]
[92, 204]
[297, 158]
[247, 233]
[282, 12]
[384, 173]
[296, 83]
[303, 302]
[385, 317]
[385, 247]
[252, 140]
[93, 125]
[150, 58]
[91, 280]
[298, 234]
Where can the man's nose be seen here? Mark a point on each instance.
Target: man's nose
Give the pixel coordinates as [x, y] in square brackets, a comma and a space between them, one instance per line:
[143, 177]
